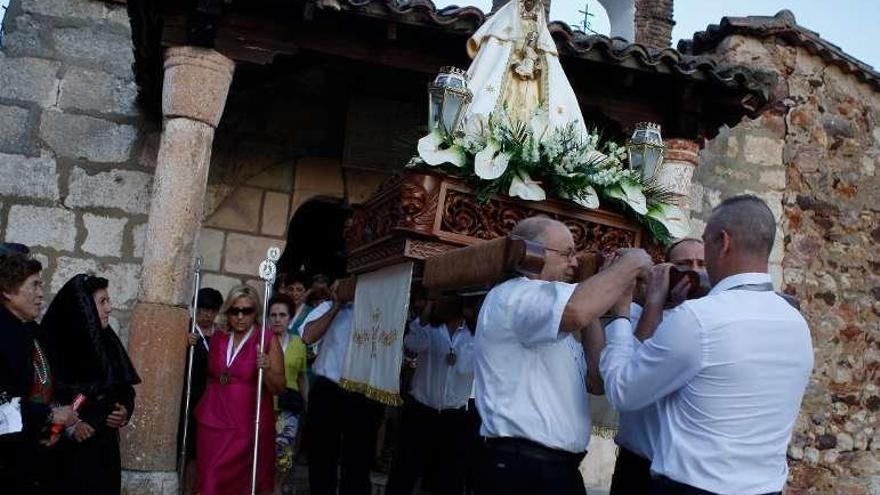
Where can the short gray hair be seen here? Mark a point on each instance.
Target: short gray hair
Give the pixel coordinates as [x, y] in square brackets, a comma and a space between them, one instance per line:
[749, 222]
[533, 228]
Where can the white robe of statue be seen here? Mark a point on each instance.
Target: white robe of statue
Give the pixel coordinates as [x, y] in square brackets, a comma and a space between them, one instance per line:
[516, 64]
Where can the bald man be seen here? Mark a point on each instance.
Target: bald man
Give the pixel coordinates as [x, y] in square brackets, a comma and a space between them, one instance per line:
[530, 369]
[726, 372]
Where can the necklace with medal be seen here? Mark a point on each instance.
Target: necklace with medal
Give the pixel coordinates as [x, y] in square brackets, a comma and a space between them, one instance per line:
[41, 367]
[232, 354]
[451, 358]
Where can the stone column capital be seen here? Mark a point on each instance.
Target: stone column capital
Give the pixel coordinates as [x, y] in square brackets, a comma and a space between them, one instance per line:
[679, 162]
[196, 84]
[682, 150]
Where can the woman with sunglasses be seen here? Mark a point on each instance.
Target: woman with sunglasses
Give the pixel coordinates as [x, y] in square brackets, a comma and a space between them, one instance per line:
[225, 414]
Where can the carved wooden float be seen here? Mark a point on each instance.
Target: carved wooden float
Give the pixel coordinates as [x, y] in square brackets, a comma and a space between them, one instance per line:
[418, 214]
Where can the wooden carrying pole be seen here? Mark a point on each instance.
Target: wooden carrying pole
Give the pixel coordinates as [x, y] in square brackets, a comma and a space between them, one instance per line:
[483, 265]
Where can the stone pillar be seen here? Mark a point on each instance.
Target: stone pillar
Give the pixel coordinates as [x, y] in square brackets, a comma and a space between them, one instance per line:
[675, 174]
[194, 92]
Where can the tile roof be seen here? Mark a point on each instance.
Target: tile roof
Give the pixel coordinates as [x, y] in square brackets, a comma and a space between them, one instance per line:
[783, 26]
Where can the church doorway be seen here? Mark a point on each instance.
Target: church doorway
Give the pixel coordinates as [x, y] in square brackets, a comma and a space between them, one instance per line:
[315, 240]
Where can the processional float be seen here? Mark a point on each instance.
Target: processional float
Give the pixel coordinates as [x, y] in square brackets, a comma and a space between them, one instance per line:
[507, 141]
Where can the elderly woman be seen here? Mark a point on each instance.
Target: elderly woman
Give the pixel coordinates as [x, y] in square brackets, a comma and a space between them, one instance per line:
[225, 414]
[26, 379]
[291, 402]
[90, 360]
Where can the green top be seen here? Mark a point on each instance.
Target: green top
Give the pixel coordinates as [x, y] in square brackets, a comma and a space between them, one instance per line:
[294, 361]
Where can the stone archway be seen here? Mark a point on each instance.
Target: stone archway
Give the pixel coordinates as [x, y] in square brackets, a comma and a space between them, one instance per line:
[315, 241]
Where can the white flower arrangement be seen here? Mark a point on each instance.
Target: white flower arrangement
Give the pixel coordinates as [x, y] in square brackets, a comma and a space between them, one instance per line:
[528, 160]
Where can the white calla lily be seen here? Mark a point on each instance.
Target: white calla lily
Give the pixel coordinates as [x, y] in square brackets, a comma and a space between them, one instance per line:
[430, 152]
[635, 197]
[631, 195]
[540, 124]
[491, 163]
[587, 198]
[524, 187]
[673, 218]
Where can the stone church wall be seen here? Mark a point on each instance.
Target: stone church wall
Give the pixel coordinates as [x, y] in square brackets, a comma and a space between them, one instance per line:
[814, 157]
[264, 167]
[75, 163]
[77, 157]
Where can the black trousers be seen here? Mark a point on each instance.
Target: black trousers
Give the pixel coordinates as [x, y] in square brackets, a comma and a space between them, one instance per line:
[475, 482]
[662, 485]
[632, 474]
[522, 467]
[426, 433]
[341, 433]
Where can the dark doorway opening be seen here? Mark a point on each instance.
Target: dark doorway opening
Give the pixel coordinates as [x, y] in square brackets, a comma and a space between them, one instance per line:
[315, 240]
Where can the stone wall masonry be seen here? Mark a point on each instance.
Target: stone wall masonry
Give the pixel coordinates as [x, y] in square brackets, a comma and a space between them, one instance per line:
[41, 226]
[104, 235]
[138, 237]
[29, 79]
[126, 190]
[14, 129]
[97, 91]
[815, 157]
[32, 178]
[87, 138]
[72, 185]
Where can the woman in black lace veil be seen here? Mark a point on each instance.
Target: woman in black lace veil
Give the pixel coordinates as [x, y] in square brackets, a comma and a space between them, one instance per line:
[89, 359]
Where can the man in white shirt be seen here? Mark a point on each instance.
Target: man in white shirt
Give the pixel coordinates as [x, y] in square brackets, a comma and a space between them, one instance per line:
[434, 420]
[635, 435]
[727, 371]
[530, 369]
[337, 420]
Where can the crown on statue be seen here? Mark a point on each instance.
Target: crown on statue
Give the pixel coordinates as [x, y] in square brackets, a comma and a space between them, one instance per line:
[451, 70]
[648, 126]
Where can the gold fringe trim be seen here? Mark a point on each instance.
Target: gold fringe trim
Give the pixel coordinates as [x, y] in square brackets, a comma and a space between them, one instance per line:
[604, 431]
[370, 392]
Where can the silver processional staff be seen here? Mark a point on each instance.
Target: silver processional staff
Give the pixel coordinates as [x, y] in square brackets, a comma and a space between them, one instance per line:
[267, 273]
[197, 283]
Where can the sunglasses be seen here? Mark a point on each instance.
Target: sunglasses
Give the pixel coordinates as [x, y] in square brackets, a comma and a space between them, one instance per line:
[240, 311]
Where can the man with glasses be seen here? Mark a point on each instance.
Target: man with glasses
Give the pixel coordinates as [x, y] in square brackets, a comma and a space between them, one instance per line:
[530, 369]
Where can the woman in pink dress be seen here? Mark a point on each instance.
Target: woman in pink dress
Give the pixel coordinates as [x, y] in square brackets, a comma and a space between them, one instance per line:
[226, 412]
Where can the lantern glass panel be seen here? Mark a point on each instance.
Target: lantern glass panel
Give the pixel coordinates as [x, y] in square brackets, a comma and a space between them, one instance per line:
[435, 108]
[452, 111]
[653, 158]
[636, 154]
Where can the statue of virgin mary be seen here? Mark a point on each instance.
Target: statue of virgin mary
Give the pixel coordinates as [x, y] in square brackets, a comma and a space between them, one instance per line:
[516, 68]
